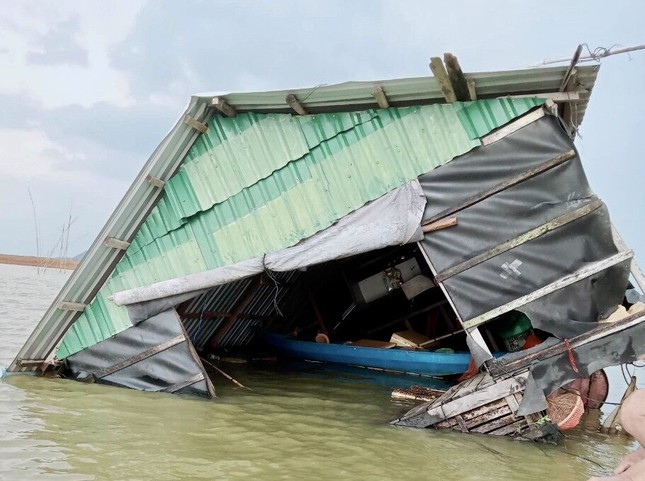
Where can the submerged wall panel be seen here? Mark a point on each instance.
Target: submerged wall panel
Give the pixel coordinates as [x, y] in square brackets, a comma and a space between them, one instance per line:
[154, 355]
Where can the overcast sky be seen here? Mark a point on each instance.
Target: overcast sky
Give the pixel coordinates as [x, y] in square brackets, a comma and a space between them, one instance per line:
[89, 88]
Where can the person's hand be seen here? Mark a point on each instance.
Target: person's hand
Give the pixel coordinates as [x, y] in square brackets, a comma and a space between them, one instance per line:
[629, 460]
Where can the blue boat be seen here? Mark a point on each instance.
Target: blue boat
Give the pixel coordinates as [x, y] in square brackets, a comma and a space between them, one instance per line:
[425, 363]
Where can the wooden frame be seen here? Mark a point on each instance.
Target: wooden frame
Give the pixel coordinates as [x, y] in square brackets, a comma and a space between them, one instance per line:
[556, 223]
[561, 283]
[499, 368]
[518, 179]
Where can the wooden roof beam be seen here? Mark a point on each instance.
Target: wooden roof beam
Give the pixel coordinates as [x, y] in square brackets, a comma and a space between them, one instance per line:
[381, 99]
[223, 106]
[296, 105]
[195, 124]
[439, 72]
[456, 76]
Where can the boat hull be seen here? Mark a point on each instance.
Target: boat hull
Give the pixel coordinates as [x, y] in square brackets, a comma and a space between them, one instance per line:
[399, 360]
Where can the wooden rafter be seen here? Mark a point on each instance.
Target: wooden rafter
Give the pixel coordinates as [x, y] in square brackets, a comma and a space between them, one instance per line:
[223, 106]
[456, 76]
[156, 181]
[115, 243]
[296, 105]
[381, 99]
[195, 124]
[439, 72]
[249, 295]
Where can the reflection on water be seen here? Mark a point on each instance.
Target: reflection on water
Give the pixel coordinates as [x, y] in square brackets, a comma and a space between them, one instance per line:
[294, 423]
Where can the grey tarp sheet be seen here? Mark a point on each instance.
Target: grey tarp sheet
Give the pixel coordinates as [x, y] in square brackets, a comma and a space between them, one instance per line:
[514, 211]
[393, 219]
[167, 370]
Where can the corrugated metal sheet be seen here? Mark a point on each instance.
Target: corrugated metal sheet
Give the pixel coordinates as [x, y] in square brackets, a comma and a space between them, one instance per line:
[400, 92]
[224, 299]
[167, 216]
[344, 168]
[100, 260]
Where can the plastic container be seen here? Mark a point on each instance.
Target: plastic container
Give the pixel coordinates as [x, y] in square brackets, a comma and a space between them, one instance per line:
[515, 330]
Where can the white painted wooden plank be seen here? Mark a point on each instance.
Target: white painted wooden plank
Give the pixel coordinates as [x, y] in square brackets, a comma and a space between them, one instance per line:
[561, 283]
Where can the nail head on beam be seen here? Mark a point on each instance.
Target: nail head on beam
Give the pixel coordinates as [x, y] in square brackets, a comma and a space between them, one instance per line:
[295, 104]
[195, 124]
[381, 98]
[116, 243]
[223, 106]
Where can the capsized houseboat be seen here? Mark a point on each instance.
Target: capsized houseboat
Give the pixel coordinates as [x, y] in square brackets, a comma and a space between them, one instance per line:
[446, 206]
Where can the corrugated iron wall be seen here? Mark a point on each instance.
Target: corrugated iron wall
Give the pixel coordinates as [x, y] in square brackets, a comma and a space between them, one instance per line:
[258, 183]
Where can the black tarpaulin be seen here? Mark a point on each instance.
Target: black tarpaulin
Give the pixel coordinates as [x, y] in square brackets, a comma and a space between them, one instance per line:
[154, 355]
[514, 211]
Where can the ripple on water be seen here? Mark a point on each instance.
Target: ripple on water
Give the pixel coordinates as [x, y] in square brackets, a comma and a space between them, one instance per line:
[302, 424]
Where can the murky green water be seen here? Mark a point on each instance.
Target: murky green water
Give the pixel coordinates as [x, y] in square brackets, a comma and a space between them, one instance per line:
[294, 423]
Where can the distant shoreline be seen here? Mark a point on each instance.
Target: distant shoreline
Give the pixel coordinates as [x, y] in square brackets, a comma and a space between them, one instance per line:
[45, 262]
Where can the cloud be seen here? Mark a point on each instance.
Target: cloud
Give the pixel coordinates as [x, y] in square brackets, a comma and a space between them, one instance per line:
[59, 52]
[59, 45]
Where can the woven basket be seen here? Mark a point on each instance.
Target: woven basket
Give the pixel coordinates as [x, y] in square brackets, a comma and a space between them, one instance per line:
[565, 409]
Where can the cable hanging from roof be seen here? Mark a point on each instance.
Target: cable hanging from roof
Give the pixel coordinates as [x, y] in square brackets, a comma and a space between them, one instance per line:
[596, 55]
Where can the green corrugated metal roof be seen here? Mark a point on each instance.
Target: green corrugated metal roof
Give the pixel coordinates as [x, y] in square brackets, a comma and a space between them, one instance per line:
[259, 183]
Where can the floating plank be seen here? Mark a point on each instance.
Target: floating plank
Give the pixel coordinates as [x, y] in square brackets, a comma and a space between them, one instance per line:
[512, 428]
[556, 223]
[494, 424]
[195, 124]
[561, 283]
[518, 179]
[115, 243]
[439, 72]
[72, 306]
[139, 357]
[223, 106]
[439, 225]
[478, 398]
[456, 76]
[379, 95]
[151, 179]
[514, 126]
[295, 104]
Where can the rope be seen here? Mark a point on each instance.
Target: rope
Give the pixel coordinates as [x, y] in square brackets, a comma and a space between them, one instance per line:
[276, 284]
[572, 360]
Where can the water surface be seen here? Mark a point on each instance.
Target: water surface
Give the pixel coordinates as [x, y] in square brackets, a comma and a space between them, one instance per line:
[294, 423]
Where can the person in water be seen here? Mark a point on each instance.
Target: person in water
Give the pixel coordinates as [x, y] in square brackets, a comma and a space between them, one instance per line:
[632, 419]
